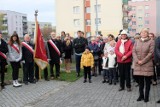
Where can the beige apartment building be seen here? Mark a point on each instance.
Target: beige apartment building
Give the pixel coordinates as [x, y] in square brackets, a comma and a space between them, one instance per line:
[90, 16]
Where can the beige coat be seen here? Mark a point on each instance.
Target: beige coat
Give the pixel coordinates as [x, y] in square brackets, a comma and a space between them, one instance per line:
[143, 50]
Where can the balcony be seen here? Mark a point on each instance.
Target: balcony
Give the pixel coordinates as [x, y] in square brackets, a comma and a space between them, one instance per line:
[87, 3]
[88, 16]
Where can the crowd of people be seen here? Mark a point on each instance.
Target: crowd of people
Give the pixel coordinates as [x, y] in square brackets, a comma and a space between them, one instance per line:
[118, 59]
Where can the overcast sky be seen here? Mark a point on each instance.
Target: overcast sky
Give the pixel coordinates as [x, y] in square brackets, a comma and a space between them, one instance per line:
[46, 8]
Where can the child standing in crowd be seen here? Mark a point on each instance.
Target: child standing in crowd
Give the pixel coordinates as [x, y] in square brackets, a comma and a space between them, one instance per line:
[87, 62]
[112, 63]
[105, 68]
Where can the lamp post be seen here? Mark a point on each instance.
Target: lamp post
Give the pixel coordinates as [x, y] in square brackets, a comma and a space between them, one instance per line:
[96, 17]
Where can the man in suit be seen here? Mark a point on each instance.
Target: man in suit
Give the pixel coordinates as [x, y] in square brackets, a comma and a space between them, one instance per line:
[27, 57]
[3, 51]
[55, 50]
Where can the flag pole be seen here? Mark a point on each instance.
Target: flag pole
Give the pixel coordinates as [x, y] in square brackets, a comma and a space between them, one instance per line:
[36, 14]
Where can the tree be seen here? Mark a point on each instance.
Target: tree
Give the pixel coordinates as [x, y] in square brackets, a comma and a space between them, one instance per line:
[46, 32]
[2, 21]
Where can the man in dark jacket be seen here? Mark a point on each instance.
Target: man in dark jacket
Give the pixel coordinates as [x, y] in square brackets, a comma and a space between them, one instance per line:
[27, 57]
[54, 47]
[79, 45]
[157, 55]
[3, 51]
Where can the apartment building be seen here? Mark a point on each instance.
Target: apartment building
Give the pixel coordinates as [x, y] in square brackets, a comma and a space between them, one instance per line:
[14, 21]
[144, 14]
[31, 26]
[90, 16]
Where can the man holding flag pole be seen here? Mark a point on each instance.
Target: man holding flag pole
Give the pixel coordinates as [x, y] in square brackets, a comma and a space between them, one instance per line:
[40, 56]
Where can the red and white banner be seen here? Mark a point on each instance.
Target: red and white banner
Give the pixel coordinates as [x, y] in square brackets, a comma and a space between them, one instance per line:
[14, 47]
[28, 47]
[54, 46]
[40, 55]
[3, 55]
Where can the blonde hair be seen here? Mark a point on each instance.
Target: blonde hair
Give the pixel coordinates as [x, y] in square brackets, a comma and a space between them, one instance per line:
[145, 30]
[68, 41]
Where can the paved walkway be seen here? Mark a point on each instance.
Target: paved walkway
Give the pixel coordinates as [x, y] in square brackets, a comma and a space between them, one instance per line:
[96, 94]
[76, 94]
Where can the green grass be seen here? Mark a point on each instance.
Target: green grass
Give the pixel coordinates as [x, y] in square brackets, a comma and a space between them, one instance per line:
[69, 77]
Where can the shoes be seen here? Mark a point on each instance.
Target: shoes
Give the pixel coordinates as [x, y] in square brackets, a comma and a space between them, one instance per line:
[78, 75]
[33, 82]
[107, 81]
[121, 89]
[154, 83]
[129, 89]
[146, 100]
[46, 79]
[16, 83]
[52, 77]
[90, 81]
[110, 83]
[26, 83]
[84, 81]
[158, 101]
[104, 81]
[114, 83]
[140, 98]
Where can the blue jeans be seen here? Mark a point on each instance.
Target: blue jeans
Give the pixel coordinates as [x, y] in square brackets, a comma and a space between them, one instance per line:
[78, 62]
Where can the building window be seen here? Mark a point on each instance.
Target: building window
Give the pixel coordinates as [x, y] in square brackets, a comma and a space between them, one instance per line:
[140, 18]
[147, 14]
[88, 22]
[146, 7]
[140, 26]
[146, 22]
[98, 21]
[98, 8]
[133, 30]
[134, 23]
[88, 10]
[76, 9]
[134, 16]
[88, 34]
[133, 8]
[76, 22]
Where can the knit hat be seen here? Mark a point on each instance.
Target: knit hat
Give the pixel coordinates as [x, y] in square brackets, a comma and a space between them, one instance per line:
[124, 32]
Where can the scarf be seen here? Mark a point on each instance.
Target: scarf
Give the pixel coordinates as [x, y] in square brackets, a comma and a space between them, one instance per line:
[144, 39]
[122, 48]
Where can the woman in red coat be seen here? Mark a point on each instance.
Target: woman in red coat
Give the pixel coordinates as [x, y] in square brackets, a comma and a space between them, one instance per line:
[123, 51]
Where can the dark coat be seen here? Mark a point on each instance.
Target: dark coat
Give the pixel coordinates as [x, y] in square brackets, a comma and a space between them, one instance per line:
[157, 51]
[79, 44]
[3, 49]
[55, 58]
[27, 56]
[68, 50]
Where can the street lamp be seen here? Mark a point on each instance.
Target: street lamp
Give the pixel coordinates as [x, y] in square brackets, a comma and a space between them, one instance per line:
[96, 17]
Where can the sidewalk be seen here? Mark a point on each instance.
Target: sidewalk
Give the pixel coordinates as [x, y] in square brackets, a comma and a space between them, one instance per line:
[96, 94]
[19, 97]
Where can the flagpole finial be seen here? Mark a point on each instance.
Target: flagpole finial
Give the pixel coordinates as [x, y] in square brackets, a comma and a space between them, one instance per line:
[36, 13]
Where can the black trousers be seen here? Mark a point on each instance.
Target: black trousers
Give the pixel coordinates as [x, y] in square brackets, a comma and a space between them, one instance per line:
[37, 72]
[57, 65]
[100, 66]
[124, 72]
[2, 72]
[87, 71]
[144, 81]
[112, 75]
[28, 72]
[15, 70]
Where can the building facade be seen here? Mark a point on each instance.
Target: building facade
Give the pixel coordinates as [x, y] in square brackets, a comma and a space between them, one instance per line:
[31, 26]
[144, 14]
[14, 21]
[90, 16]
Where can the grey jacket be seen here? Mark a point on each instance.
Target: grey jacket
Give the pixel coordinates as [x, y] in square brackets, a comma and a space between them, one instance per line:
[13, 55]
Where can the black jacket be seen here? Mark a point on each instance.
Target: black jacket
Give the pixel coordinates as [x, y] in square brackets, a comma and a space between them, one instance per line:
[27, 56]
[3, 49]
[157, 51]
[79, 44]
[55, 58]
